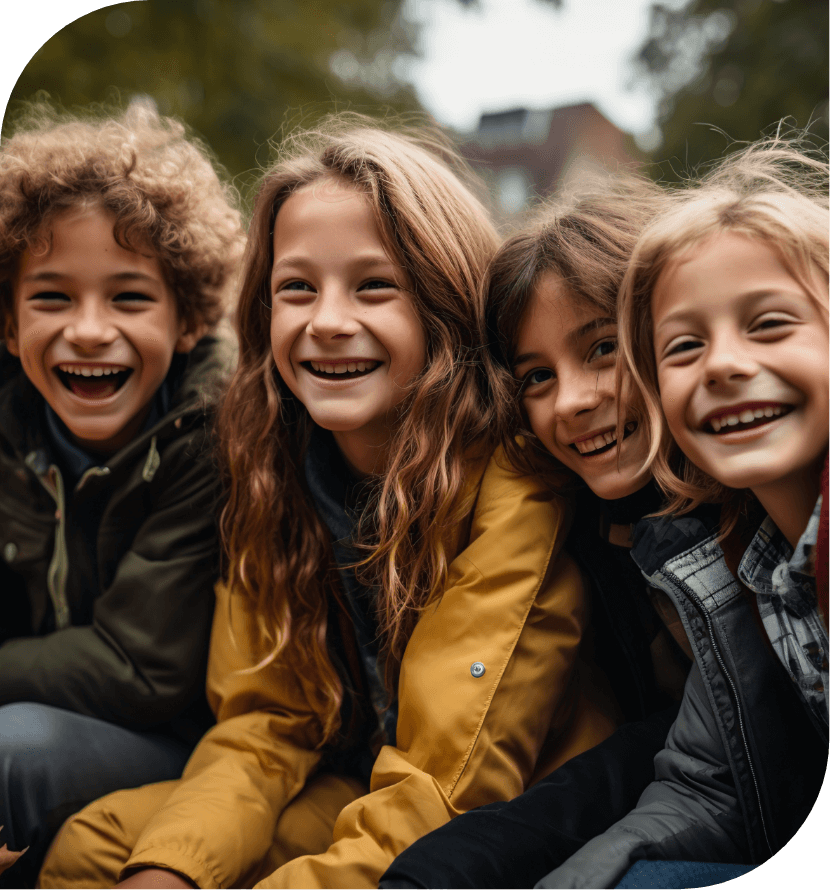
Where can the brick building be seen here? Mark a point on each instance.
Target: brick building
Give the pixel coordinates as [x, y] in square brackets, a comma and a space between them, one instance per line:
[524, 153]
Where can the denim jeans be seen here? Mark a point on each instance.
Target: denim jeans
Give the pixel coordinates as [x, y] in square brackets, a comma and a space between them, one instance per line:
[54, 762]
[659, 873]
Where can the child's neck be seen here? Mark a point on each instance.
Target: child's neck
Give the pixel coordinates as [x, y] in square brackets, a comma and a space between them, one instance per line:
[790, 501]
[364, 455]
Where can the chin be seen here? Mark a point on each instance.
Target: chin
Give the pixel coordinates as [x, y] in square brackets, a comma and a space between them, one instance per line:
[616, 488]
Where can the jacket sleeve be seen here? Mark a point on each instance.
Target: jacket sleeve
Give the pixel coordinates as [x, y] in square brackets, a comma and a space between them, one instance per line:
[514, 604]
[219, 822]
[142, 659]
[512, 843]
[690, 812]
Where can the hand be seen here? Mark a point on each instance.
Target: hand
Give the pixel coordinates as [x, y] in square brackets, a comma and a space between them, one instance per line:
[156, 877]
[7, 857]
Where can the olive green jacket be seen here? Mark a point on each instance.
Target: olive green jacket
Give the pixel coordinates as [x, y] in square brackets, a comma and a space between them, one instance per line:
[134, 651]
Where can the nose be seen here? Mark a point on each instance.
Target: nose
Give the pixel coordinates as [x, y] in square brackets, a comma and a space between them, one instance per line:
[728, 361]
[332, 316]
[581, 390]
[90, 326]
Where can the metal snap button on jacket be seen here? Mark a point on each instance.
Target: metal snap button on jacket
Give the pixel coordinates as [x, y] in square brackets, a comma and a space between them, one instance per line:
[477, 669]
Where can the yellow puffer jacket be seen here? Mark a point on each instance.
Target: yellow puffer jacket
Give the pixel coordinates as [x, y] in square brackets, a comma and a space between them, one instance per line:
[513, 604]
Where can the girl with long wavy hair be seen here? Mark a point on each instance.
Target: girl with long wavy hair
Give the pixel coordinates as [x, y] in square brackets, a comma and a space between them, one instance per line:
[398, 638]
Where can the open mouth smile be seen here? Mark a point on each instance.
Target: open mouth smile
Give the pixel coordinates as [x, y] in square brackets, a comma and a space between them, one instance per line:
[347, 369]
[744, 417]
[93, 382]
[602, 442]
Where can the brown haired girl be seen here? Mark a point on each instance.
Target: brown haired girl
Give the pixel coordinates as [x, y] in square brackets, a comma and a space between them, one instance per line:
[398, 638]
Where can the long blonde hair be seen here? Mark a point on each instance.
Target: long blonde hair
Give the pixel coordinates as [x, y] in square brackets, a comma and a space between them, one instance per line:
[279, 551]
[770, 191]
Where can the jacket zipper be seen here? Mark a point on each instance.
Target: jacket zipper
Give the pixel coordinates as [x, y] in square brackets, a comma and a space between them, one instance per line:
[52, 481]
[707, 618]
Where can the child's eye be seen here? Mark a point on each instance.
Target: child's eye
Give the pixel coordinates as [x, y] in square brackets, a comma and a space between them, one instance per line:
[771, 323]
[296, 285]
[50, 296]
[378, 284]
[535, 378]
[603, 349]
[682, 346]
[132, 297]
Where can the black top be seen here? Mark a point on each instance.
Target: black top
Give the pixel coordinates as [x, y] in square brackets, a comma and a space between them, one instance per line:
[339, 496]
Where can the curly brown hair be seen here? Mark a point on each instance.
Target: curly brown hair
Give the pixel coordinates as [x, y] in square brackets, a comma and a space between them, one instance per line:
[279, 551]
[161, 186]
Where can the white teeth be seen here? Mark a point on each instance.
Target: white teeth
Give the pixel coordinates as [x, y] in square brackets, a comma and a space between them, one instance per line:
[343, 367]
[587, 446]
[746, 416]
[87, 371]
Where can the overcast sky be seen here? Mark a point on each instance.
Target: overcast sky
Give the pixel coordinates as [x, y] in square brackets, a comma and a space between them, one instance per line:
[507, 53]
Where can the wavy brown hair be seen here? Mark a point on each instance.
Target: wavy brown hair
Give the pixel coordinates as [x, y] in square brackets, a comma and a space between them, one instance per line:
[161, 186]
[770, 191]
[279, 551]
[585, 238]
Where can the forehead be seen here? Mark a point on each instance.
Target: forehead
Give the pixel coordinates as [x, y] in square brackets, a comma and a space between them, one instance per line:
[324, 204]
[716, 273]
[554, 315]
[82, 240]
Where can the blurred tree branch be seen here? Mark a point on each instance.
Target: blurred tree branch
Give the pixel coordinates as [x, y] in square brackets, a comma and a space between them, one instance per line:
[738, 65]
[232, 70]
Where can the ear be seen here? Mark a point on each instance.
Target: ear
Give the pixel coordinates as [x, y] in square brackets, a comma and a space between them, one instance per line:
[10, 336]
[189, 335]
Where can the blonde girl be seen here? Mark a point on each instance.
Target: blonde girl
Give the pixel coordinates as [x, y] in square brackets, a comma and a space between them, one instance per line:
[398, 638]
[723, 317]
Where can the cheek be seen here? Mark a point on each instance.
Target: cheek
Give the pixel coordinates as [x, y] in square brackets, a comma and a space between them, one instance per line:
[281, 340]
[540, 420]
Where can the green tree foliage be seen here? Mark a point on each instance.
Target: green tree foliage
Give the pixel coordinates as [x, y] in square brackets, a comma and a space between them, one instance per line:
[236, 70]
[738, 65]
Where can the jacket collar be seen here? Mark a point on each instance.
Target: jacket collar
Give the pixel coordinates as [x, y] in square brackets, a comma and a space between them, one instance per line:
[659, 539]
[770, 566]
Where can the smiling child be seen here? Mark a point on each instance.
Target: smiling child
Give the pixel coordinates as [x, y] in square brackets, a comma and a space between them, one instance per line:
[117, 242]
[398, 640]
[723, 326]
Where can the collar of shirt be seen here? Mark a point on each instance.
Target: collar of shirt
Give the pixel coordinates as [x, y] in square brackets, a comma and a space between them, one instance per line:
[74, 460]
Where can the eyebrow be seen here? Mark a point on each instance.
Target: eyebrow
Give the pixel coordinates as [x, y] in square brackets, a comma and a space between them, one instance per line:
[118, 276]
[749, 297]
[575, 335]
[591, 326]
[368, 259]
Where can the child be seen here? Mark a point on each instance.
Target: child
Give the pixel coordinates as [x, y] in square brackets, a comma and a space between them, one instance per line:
[724, 322]
[551, 311]
[388, 584]
[117, 242]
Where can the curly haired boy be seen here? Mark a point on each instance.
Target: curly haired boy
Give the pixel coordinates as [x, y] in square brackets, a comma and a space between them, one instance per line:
[118, 246]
